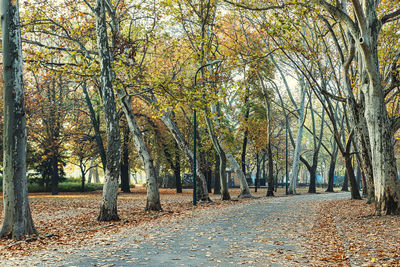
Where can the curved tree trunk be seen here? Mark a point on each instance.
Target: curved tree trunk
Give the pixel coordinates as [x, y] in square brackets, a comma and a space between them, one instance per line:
[153, 194]
[108, 210]
[202, 192]
[222, 159]
[17, 219]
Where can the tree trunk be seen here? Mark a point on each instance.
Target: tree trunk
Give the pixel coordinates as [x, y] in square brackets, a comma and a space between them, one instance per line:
[246, 131]
[222, 159]
[180, 140]
[345, 186]
[96, 176]
[217, 180]
[244, 187]
[108, 210]
[17, 219]
[358, 177]
[257, 181]
[96, 127]
[125, 162]
[363, 145]
[355, 193]
[91, 171]
[82, 176]
[297, 150]
[270, 192]
[332, 167]
[177, 171]
[153, 194]
[54, 175]
[386, 182]
[313, 176]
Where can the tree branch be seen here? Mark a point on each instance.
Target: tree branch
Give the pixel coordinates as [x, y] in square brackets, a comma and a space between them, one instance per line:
[390, 17]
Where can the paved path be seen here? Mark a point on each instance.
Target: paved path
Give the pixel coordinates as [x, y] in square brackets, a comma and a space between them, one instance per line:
[263, 232]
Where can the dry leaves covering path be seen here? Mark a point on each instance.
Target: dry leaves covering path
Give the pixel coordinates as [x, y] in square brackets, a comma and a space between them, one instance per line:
[260, 232]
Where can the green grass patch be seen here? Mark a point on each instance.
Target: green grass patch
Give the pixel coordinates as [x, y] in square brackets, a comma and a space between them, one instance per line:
[62, 187]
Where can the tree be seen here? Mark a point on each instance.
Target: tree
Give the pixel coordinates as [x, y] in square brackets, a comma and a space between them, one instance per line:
[17, 215]
[108, 210]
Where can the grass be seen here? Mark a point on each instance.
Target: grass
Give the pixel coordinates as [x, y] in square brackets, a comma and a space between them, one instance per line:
[63, 187]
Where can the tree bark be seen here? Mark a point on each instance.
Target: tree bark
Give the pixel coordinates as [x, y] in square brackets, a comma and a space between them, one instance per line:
[177, 171]
[257, 180]
[297, 150]
[108, 210]
[246, 131]
[217, 180]
[222, 158]
[153, 194]
[332, 166]
[125, 162]
[270, 191]
[355, 193]
[96, 127]
[17, 219]
[82, 176]
[345, 186]
[202, 191]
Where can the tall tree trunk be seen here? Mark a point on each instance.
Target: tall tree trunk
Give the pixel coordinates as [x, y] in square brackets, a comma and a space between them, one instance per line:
[345, 186]
[313, 177]
[153, 194]
[297, 150]
[208, 178]
[180, 140]
[270, 191]
[108, 210]
[82, 175]
[217, 180]
[263, 173]
[177, 171]
[125, 179]
[96, 176]
[90, 177]
[244, 187]
[332, 166]
[96, 127]
[358, 176]
[17, 219]
[257, 181]
[246, 131]
[54, 174]
[355, 193]
[222, 159]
